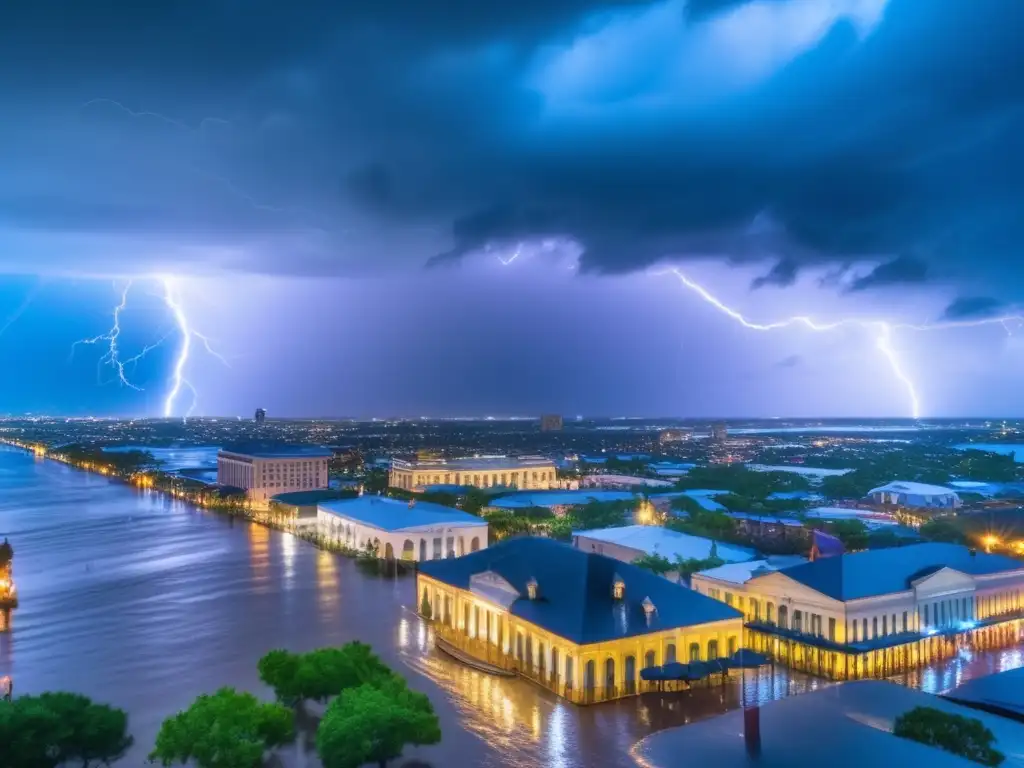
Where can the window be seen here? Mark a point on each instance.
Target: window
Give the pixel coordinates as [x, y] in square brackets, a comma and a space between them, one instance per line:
[769, 613]
[885, 625]
[832, 629]
[712, 649]
[926, 622]
[864, 630]
[874, 627]
[670, 653]
[694, 652]
[728, 598]
[732, 645]
[755, 609]
[905, 628]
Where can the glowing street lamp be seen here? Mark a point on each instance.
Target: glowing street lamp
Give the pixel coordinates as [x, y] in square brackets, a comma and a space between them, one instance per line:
[990, 541]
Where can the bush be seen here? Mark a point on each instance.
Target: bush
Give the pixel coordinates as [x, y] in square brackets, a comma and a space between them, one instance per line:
[964, 736]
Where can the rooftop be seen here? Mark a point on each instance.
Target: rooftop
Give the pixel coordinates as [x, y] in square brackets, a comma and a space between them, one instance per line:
[846, 726]
[575, 590]
[278, 451]
[914, 489]
[559, 498]
[742, 572]
[1001, 693]
[394, 515]
[883, 571]
[308, 498]
[655, 540]
[474, 463]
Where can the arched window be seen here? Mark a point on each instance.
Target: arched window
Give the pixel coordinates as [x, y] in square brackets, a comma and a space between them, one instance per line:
[568, 672]
[474, 545]
[648, 659]
[670, 653]
[784, 617]
[798, 621]
[694, 651]
[769, 612]
[732, 645]
[609, 674]
[712, 650]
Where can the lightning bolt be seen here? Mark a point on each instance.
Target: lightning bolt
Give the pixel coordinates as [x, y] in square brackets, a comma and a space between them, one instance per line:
[883, 330]
[186, 332]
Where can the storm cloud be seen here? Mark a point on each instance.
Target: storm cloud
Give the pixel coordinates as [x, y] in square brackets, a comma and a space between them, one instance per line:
[358, 138]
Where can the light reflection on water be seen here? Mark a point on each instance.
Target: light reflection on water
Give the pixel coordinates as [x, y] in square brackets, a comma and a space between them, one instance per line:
[145, 602]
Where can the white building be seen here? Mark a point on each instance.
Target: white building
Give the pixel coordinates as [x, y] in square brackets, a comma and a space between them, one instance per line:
[877, 612]
[629, 542]
[399, 529]
[530, 472]
[266, 471]
[904, 493]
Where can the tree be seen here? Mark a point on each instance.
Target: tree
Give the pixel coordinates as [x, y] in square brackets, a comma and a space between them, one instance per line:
[227, 729]
[964, 736]
[654, 563]
[883, 538]
[425, 610]
[474, 501]
[320, 674]
[941, 529]
[602, 514]
[57, 728]
[853, 533]
[373, 724]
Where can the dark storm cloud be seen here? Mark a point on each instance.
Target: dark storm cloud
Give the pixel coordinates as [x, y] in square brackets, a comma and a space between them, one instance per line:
[783, 274]
[374, 135]
[973, 308]
[903, 270]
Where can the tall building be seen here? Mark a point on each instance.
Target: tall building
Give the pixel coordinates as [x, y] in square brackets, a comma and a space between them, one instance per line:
[265, 471]
[261, 416]
[531, 472]
[719, 432]
[551, 422]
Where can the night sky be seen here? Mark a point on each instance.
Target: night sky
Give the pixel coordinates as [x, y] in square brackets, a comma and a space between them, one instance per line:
[417, 207]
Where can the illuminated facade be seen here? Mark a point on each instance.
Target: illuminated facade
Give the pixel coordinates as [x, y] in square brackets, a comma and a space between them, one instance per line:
[529, 472]
[875, 613]
[580, 624]
[264, 472]
[391, 528]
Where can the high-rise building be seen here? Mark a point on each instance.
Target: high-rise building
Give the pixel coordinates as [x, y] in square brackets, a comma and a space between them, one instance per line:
[261, 416]
[719, 432]
[551, 422]
[265, 471]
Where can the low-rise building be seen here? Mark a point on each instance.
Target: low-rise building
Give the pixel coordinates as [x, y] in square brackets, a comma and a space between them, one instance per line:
[677, 435]
[551, 422]
[528, 472]
[903, 493]
[414, 530]
[263, 471]
[581, 624]
[299, 510]
[629, 542]
[877, 612]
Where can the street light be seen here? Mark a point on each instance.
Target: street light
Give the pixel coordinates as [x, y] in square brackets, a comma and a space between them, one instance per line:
[990, 541]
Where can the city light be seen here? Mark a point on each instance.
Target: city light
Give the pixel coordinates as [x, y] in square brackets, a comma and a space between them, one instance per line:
[990, 541]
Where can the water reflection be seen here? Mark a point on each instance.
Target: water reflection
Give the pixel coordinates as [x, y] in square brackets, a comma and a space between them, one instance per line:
[145, 602]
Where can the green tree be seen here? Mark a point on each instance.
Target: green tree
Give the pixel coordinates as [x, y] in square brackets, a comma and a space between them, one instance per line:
[942, 529]
[883, 538]
[655, 564]
[58, 728]
[602, 514]
[227, 729]
[474, 501]
[320, 674]
[853, 533]
[964, 736]
[425, 610]
[373, 724]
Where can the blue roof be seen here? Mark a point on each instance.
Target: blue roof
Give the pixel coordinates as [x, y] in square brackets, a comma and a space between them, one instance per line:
[390, 514]
[558, 498]
[883, 571]
[574, 590]
[278, 450]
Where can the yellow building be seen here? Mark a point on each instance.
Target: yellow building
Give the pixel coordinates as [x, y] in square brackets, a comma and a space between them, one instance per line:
[874, 613]
[581, 624]
[527, 472]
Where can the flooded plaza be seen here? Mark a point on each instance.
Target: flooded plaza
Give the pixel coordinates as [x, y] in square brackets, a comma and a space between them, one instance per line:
[143, 602]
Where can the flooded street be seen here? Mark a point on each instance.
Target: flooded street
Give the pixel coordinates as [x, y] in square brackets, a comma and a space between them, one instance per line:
[143, 602]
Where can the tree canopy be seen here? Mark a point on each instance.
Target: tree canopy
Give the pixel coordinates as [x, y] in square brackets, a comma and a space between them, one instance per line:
[320, 674]
[227, 729]
[56, 728]
[942, 529]
[374, 723]
[964, 736]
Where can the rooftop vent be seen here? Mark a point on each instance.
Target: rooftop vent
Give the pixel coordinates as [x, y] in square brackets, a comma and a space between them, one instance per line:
[531, 589]
[649, 609]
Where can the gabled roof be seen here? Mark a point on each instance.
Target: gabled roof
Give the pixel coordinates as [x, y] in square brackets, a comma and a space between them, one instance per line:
[882, 571]
[393, 515]
[575, 590]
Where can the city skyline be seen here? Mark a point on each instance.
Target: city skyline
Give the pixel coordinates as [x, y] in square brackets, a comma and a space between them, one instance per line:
[571, 207]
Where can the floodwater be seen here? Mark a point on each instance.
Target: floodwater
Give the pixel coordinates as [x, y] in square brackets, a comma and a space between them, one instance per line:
[144, 603]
